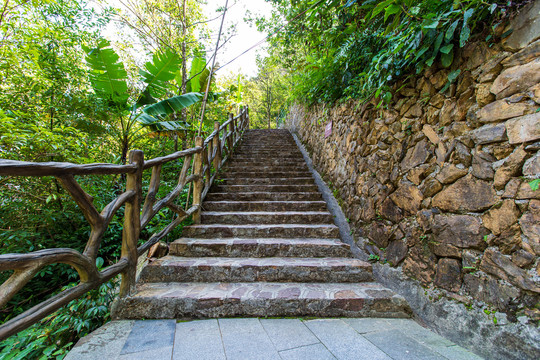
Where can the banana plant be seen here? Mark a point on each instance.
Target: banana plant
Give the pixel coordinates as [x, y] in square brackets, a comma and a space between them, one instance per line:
[109, 80]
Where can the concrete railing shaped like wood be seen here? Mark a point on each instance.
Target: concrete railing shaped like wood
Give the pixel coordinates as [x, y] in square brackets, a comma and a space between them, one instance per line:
[200, 164]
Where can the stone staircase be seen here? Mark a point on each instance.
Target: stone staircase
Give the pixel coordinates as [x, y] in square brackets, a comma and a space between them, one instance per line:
[266, 246]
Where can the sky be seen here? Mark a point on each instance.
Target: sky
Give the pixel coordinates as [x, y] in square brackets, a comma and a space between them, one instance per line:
[245, 37]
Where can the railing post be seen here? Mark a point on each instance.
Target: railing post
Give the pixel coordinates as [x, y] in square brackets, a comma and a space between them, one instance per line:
[198, 184]
[246, 125]
[243, 119]
[206, 155]
[217, 147]
[231, 137]
[237, 122]
[132, 223]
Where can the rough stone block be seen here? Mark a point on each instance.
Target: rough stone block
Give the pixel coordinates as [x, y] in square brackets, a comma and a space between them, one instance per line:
[408, 198]
[502, 110]
[501, 218]
[488, 134]
[497, 264]
[516, 79]
[448, 275]
[466, 194]
[523, 129]
[531, 167]
[463, 231]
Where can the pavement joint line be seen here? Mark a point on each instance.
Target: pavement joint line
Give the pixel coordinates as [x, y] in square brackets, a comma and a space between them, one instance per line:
[221, 337]
[174, 339]
[268, 336]
[362, 335]
[411, 338]
[301, 346]
[326, 347]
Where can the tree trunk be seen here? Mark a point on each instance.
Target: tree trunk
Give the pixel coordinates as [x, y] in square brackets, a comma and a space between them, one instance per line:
[125, 148]
[183, 114]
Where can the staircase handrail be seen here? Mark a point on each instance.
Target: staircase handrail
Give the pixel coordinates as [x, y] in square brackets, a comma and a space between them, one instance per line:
[199, 161]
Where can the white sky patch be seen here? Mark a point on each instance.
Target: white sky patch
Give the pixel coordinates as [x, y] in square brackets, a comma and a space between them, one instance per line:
[245, 37]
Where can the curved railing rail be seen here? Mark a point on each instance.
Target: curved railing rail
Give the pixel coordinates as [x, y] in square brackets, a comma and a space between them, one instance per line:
[196, 171]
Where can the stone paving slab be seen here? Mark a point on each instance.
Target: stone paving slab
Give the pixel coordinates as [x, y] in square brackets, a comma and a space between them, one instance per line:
[258, 339]
[288, 334]
[246, 339]
[104, 343]
[150, 336]
[310, 352]
[403, 347]
[343, 341]
[198, 340]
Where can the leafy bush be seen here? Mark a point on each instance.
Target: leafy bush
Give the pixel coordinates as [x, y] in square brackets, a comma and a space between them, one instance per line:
[52, 337]
[357, 49]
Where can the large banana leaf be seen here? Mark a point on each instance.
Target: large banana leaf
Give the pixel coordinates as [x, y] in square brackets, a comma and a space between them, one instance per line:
[203, 80]
[198, 65]
[156, 74]
[173, 105]
[158, 124]
[107, 75]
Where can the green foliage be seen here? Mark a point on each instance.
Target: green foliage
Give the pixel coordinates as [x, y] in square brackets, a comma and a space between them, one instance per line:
[108, 75]
[158, 72]
[52, 337]
[534, 184]
[109, 79]
[174, 104]
[374, 257]
[55, 106]
[358, 49]
[198, 75]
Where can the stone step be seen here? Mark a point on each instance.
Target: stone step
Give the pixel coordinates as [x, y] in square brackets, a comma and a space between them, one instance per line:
[268, 181]
[263, 196]
[266, 170]
[273, 163]
[265, 188]
[263, 167]
[269, 269]
[277, 174]
[267, 217]
[264, 205]
[216, 300]
[292, 160]
[269, 154]
[235, 247]
[210, 231]
[291, 148]
[275, 143]
[266, 162]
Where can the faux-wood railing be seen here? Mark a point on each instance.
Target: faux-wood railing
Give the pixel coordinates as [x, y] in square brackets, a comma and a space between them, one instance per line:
[212, 152]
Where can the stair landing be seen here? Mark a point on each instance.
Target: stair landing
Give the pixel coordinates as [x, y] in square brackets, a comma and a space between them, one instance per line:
[271, 339]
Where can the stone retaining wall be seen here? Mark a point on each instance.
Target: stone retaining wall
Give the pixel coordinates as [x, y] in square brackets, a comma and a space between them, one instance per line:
[438, 184]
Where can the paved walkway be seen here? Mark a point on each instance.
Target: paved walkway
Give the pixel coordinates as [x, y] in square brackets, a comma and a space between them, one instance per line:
[259, 339]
